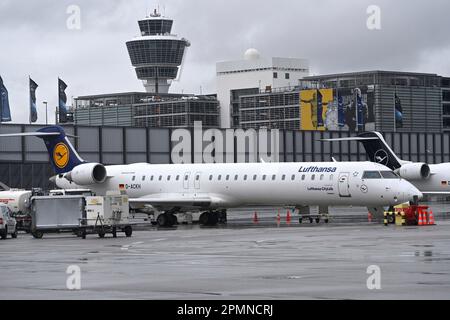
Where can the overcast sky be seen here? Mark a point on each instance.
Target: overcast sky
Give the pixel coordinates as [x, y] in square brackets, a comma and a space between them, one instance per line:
[332, 34]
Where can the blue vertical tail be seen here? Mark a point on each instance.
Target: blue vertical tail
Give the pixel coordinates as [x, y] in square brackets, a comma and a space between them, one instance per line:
[63, 155]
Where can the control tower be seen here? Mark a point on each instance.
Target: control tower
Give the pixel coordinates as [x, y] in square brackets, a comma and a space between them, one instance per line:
[157, 54]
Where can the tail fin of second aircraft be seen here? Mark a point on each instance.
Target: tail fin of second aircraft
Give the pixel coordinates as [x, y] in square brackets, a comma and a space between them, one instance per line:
[63, 155]
[376, 148]
[379, 151]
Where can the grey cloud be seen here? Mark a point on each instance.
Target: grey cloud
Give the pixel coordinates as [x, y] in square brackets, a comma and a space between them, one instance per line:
[331, 34]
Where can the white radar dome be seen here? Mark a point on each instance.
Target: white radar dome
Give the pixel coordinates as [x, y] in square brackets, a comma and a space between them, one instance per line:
[251, 54]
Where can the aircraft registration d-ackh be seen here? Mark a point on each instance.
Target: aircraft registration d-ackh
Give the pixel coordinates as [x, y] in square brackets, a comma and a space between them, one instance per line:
[213, 188]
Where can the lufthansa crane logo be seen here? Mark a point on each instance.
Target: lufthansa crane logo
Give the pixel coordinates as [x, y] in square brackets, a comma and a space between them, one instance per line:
[61, 155]
[381, 157]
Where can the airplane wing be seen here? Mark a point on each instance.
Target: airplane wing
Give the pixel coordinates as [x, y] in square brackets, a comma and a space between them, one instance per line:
[173, 200]
[436, 193]
[350, 139]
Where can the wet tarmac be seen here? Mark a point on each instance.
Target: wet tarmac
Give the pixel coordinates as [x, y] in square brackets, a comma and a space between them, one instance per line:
[243, 260]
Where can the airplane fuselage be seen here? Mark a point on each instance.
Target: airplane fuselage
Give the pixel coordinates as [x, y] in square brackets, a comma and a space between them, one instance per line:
[249, 184]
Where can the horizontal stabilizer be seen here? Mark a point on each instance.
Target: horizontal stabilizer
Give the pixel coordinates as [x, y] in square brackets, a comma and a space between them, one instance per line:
[442, 193]
[34, 134]
[30, 134]
[350, 139]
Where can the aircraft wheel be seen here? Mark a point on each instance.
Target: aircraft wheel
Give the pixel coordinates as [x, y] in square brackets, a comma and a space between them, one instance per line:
[173, 220]
[318, 220]
[161, 220]
[311, 220]
[204, 219]
[213, 218]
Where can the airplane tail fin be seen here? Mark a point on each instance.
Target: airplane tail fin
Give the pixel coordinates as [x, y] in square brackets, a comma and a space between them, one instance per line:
[63, 155]
[377, 149]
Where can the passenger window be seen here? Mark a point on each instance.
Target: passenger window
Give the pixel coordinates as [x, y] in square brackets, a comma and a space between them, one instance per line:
[293, 177]
[219, 177]
[264, 177]
[283, 177]
[371, 175]
[274, 177]
[143, 178]
[236, 177]
[331, 178]
[313, 177]
[160, 178]
[228, 177]
[321, 177]
[255, 177]
[245, 177]
[186, 177]
[303, 177]
[151, 178]
[168, 178]
[389, 175]
[134, 178]
[178, 177]
[197, 177]
[210, 177]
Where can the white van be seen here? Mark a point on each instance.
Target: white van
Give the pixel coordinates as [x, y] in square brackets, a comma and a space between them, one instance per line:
[7, 223]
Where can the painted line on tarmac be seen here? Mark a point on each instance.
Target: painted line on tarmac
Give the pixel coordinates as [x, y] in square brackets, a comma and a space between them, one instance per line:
[128, 246]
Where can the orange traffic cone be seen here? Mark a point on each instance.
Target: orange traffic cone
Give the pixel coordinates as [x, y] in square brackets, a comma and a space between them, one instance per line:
[431, 221]
[288, 217]
[420, 222]
[255, 218]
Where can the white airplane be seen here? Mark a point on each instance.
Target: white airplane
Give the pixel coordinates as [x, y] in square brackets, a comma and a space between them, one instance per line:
[212, 188]
[431, 179]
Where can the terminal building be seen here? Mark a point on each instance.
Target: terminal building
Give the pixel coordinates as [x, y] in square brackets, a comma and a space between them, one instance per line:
[250, 75]
[138, 109]
[385, 101]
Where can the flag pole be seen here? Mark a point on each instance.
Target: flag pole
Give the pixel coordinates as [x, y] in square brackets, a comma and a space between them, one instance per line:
[57, 108]
[395, 110]
[29, 95]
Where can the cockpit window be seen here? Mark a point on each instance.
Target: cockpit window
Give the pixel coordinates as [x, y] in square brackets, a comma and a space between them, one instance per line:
[371, 175]
[389, 175]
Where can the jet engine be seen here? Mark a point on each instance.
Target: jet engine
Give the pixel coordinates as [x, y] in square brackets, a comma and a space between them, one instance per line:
[414, 171]
[87, 174]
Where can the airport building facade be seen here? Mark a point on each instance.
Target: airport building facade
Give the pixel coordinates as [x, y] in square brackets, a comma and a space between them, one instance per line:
[24, 160]
[137, 109]
[253, 74]
[390, 102]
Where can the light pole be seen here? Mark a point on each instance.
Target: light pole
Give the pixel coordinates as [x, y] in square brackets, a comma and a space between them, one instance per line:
[46, 113]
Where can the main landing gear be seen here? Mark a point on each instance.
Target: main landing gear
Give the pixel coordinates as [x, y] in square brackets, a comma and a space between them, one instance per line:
[209, 218]
[166, 219]
[212, 218]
